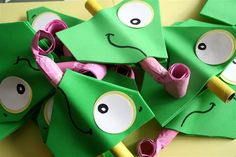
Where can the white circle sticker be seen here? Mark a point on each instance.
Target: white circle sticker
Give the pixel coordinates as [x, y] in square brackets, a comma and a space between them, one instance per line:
[136, 14]
[114, 112]
[48, 110]
[229, 74]
[15, 94]
[43, 19]
[215, 47]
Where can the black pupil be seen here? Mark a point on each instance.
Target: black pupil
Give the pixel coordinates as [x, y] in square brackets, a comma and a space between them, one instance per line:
[135, 21]
[234, 61]
[20, 88]
[202, 46]
[103, 108]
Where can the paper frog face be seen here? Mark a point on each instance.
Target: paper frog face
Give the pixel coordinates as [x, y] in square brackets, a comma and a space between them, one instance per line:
[90, 112]
[208, 116]
[208, 50]
[21, 81]
[126, 33]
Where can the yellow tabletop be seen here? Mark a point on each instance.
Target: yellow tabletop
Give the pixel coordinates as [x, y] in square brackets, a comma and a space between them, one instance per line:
[26, 142]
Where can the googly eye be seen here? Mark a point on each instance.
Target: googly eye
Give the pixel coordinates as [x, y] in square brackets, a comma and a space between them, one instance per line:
[15, 94]
[136, 14]
[215, 47]
[43, 19]
[114, 112]
[48, 110]
[229, 74]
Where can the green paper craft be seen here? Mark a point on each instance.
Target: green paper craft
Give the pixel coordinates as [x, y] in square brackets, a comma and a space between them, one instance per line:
[21, 81]
[105, 39]
[73, 124]
[44, 116]
[171, 113]
[223, 11]
[34, 13]
[165, 107]
[207, 115]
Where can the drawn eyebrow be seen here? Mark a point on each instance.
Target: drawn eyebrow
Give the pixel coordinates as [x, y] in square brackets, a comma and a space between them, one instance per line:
[89, 131]
[199, 112]
[19, 59]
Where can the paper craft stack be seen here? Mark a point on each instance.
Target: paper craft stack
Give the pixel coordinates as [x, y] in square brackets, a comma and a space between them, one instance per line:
[89, 84]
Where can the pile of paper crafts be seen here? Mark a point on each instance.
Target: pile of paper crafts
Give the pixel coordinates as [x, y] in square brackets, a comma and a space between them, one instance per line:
[100, 80]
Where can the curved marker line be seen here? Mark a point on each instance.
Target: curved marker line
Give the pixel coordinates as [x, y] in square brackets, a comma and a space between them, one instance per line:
[140, 109]
[26, 60]
[200, 112]
[89, 131]
[119, 46]
[234, 98]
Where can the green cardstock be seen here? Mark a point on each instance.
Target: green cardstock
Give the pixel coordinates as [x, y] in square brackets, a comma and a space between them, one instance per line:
[73, 124]
[104, 38]
[196, 23]
[223, 11]
[207, 115]
[163, 105]
[10, 127]
[18, 64]
[34, 13]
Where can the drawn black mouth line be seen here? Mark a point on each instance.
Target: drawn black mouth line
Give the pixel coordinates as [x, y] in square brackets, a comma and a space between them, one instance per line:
[19, 59]
[108, 35]
[200, 112]
[89, 131]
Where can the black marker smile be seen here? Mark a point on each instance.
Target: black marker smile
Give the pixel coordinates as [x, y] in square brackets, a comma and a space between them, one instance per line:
[108, 35]
[25, 60]
[89, 131]
[200, 112]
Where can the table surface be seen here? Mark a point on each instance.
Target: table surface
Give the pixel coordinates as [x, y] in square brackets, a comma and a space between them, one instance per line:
[26, 142]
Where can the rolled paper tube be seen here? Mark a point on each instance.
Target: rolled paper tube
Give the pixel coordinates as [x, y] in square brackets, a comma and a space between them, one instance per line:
[175, 80]
[221, 89]
[151, 148]
[120, 150]
[53, 27]
[97, 70]
[147, 148]
[47, 66]
[93, 6]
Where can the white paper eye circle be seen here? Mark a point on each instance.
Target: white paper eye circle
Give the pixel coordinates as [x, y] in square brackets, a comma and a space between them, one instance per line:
[215, 47]
[136, 14]
[15, 94]
[43, 19]
[48, 110]
[114, 112]
[229, 74]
